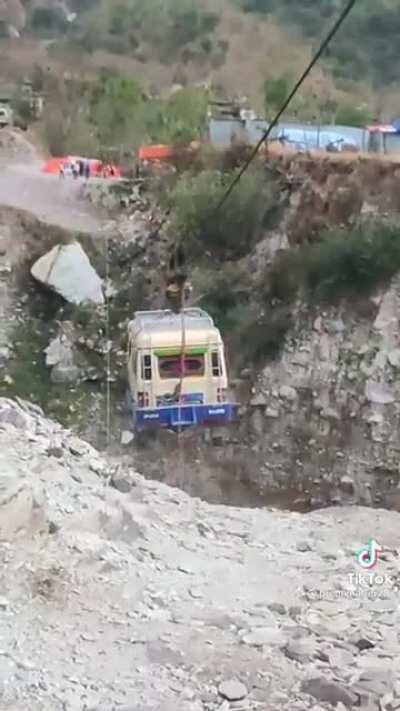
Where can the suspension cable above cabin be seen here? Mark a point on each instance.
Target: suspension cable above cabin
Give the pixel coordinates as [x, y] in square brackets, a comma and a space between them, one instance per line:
[345, 12]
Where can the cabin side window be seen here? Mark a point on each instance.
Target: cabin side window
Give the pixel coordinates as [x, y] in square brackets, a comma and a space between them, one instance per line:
[216, 365]
[146, 367]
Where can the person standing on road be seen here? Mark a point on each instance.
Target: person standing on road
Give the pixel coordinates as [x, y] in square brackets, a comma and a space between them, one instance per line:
[87, 170]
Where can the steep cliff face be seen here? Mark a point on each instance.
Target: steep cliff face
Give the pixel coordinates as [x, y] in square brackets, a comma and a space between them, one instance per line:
[326, 415]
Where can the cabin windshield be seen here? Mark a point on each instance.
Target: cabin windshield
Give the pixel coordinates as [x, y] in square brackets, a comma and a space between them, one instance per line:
[171, 366]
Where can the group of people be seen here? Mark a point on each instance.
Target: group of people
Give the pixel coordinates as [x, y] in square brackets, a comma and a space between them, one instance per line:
[82, 169]
[78, 169]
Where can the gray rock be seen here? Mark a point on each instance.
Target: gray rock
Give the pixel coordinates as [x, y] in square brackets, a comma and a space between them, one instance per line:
[67, 270]
[269, 636]
[232, 690]
[394, 358]
[301, 650]
[375, 681]
[271, 413]
[362, 643]
[303, 547]
[347, 485]
[277, 607]
[127, 438]
[65, 374]
[329, 691]
[121, 483]
[258, 400]
[379, 393]
[340, 658]
[286, 392]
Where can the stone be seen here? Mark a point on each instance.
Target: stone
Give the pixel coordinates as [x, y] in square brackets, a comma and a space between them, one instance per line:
[127, 438]
[232, 690]
[286, 392]
[58, 351]
[55, 450]
[66, 269]
[303, 547]
[394, 358]
[271, 413]
[3, 603]
[301, 650]
[121, 483]
[331, 692]
[277, 607]
[375, 681]
[329, 413]
[379, 393]
[269, 636]
[259, 400]
[347, 485]
[340, 658]
[362, 643]
[65, 374]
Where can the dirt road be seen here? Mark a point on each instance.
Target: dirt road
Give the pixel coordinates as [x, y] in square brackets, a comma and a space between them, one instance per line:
[54, 201]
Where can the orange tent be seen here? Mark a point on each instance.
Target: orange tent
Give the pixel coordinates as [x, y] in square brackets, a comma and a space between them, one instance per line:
[157, 152]
[52, 166]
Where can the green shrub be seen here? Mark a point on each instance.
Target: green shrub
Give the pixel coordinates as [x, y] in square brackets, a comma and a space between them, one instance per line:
[352, 261]
[344, 263]
[227, 233]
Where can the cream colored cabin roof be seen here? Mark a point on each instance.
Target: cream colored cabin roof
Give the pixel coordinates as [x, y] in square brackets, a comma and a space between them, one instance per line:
[156, 329]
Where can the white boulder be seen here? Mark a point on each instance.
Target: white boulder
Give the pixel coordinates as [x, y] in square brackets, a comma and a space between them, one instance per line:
[67, 270]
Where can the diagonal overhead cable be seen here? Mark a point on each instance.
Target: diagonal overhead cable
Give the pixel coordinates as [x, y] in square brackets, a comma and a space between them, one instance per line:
[345, 12]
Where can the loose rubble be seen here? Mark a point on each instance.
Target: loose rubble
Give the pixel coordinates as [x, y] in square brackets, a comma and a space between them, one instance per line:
[149, 599]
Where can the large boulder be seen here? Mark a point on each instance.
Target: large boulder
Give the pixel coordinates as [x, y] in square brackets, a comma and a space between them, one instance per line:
[67, 270]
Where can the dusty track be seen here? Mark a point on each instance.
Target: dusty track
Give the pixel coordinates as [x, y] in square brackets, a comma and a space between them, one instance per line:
[54, 201]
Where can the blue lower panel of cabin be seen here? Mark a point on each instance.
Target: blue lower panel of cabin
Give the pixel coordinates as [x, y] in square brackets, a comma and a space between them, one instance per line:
[184, 416]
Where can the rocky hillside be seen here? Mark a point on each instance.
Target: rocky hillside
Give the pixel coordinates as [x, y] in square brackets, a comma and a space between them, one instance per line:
[114, 592]
[234, 44]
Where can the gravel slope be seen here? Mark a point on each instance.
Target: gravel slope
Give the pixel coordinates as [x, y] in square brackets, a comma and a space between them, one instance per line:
[119, 593]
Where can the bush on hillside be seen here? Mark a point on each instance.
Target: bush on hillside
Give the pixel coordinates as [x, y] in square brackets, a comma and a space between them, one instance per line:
[231, 231]
[347, 262]
[352, 261]
[131, 25]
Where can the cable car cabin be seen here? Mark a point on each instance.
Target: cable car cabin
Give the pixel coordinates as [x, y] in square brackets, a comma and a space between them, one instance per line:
[168, 388]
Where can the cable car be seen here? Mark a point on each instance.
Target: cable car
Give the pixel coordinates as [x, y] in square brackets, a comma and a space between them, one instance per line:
[176, 371]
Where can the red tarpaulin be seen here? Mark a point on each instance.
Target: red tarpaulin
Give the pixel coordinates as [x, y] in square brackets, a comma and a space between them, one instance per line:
[155, 152]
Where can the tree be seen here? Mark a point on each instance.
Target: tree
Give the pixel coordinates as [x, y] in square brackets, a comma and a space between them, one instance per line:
[276, 92]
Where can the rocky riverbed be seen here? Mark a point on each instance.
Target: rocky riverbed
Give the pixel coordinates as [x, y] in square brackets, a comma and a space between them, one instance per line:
[120, 593]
